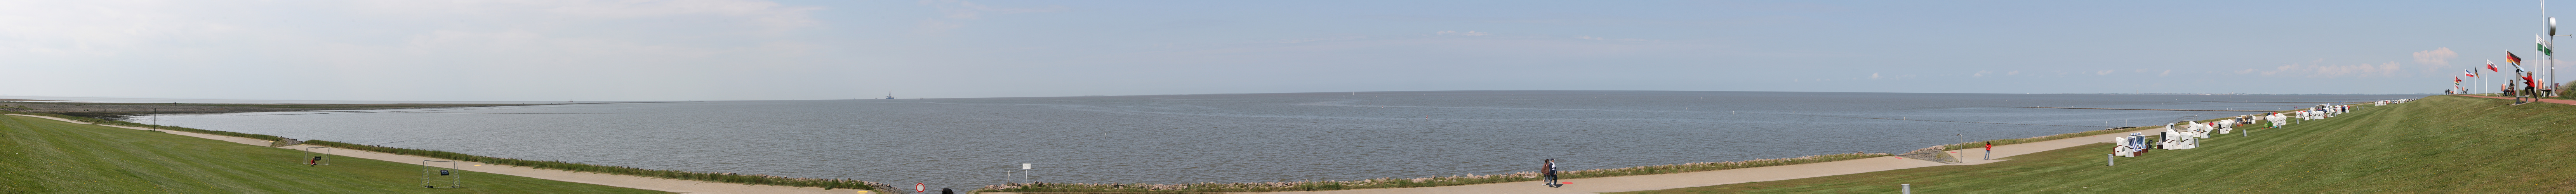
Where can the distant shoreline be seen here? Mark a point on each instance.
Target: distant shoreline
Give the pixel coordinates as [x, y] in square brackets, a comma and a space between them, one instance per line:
[122, 111]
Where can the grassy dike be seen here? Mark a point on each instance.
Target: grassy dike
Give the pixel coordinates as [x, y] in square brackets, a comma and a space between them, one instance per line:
[1406, 182]
[539, 164]
[1494, 178]
[2441, 144]
[46, 156]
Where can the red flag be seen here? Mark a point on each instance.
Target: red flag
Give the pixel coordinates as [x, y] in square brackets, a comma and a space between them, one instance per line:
[2491, 68]
[2508, 57]
[2470, 73]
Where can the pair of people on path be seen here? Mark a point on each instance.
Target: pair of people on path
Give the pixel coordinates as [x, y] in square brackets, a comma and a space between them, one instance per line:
[1548, 170]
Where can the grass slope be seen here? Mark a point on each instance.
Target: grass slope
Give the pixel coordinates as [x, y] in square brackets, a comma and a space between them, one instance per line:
[2441, 144]
[46, 156]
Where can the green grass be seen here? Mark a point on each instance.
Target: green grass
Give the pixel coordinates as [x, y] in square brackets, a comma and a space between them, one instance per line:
[132, 124]
[1407, 182]
[752, 179]
[1982, 144]
[185, 106]
[1498, 178]
[46, 156]
[557, 165]
[2441, 144]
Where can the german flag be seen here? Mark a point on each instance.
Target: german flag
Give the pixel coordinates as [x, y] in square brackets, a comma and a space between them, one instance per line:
[2509, 58]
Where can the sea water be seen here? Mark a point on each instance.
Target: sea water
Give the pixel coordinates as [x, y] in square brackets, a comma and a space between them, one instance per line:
[969, 142]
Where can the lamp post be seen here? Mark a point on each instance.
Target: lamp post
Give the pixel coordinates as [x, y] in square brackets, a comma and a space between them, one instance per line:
[2550, 66]
[2549, 63]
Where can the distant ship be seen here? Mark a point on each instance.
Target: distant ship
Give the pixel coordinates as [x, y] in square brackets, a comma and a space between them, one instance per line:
[889, 95]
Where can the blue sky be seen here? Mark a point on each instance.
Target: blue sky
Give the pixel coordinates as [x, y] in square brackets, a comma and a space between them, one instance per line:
[778, 50]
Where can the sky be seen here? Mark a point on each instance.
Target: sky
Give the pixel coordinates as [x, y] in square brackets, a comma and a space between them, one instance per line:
[633, 50]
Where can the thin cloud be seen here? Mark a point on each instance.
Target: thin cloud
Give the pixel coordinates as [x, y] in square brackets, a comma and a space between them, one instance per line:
[2388, 69]
[951, 12]
[1305, 40]
[1468, 33]
[2436, 59]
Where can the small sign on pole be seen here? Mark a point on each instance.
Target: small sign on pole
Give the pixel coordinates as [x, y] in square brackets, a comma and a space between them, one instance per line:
[1024, 166]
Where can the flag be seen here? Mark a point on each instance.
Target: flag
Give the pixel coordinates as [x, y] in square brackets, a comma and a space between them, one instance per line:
[2509, 58]
[2455, 80]
[2491, 66]
[2470, 73]
[2543, 41]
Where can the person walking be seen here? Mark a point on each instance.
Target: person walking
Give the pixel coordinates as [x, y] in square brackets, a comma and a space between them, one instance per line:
[1548, 169]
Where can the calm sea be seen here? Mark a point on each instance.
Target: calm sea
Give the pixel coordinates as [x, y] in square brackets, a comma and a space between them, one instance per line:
[969, 142]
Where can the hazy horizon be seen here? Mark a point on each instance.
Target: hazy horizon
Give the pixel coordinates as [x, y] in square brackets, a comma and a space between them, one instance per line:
[221, 100]
[605, 50]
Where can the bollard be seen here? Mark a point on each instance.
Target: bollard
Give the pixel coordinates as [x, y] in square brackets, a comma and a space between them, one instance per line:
[1909, 188]
[2111, 159]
